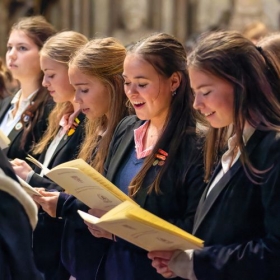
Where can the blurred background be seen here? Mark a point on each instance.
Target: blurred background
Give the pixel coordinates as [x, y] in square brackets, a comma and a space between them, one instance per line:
[129, 20]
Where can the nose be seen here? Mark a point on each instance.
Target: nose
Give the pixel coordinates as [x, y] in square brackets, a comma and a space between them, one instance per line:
[130, 89]
[45, 82]
[77, 98]
[197, 103]
[11, 53]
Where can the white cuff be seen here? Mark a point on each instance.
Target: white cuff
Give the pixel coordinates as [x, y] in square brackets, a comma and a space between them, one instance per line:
[182, 264]
[29, 176]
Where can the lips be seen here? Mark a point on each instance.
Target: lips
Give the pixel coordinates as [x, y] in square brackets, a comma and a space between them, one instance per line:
[12, 65]
[138, 104]
[209, 114]
[85, 110]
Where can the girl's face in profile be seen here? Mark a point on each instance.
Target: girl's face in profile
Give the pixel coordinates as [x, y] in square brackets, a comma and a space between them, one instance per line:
[213, 97]
[56, 80]
[149, 93]
[90, 93]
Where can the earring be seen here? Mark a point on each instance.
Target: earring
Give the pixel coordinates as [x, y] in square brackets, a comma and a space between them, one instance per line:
[174, 93]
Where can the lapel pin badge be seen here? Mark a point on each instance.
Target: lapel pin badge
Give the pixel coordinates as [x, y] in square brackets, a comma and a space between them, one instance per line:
[160, 156]
[18, 126]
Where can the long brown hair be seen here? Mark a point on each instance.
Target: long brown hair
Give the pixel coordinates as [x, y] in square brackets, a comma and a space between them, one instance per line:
[167, 55]
[232, 57]
[5, 78]
[103, 59]
[38, 30]
[59, 48]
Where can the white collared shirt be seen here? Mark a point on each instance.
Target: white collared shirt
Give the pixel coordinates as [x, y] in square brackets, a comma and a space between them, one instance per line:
[52, 147]
[9, 121]
[182, 261]
[227, 161]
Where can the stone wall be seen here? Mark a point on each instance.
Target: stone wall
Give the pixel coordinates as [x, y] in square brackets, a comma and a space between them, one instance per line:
[126, 19]
[130, 19]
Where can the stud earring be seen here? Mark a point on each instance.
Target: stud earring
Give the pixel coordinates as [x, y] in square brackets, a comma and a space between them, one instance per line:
[174, 93]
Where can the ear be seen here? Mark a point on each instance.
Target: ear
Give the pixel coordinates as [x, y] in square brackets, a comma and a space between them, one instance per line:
[175, 81]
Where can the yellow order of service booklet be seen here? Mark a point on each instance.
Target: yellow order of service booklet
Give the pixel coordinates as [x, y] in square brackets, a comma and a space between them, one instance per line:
[142, 228]
[85, 183]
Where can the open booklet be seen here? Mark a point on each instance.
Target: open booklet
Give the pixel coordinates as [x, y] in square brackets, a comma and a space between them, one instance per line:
[85, 183]
[30, 190]
[142, 228]
[4, 140]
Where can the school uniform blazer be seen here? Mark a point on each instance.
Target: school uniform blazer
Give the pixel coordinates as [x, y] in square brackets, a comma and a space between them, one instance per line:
[240, 219]
[181, 188]
[6, 166]
[48, 233]
[17, 218]
[175, 187]
[14, 151]
[66, 150]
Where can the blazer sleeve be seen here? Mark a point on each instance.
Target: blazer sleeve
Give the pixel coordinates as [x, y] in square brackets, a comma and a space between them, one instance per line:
[38, 181]
[6, 166]
[16, 240]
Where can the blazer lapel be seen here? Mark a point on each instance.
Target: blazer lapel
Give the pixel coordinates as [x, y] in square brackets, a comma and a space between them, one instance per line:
[15, 131]
[206, 203]
[66, 138]
[5, 105]
[61, 144]
[124, 146]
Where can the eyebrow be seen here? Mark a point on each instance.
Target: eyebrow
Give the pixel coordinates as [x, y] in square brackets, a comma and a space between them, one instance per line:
[203, 85]
[80, 84]
[137, 77]
[17, 44]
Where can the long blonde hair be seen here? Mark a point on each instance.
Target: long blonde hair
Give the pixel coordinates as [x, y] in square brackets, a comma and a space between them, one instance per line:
[59, 48]
[103, 59]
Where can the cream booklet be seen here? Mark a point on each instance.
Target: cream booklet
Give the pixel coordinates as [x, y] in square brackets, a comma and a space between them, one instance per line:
[84, 182]
[142, 228]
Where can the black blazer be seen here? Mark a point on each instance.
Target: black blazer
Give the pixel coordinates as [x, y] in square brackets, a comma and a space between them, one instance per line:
[6, 166]
[48, 233]
[14, 150]
[240, 219]
[66, 150]
[181, 187]
[181, 193]
[16, 256]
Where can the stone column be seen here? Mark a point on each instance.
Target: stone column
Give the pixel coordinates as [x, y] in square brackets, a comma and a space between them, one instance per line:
[168, 16]
[181, 19]
[101, 17]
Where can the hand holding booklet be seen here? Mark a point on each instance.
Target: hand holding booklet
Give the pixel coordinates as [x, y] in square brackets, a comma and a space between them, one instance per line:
[30, 190]
[142, 228]
[85, 183]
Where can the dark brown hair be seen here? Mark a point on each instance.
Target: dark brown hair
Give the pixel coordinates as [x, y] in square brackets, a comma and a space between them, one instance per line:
[232, 57]
[5, 78]
[167, 55]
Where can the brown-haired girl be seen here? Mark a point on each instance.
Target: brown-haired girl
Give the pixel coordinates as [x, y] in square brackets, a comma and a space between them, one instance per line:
[236, 90]
[154, 156]
[23, 118]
